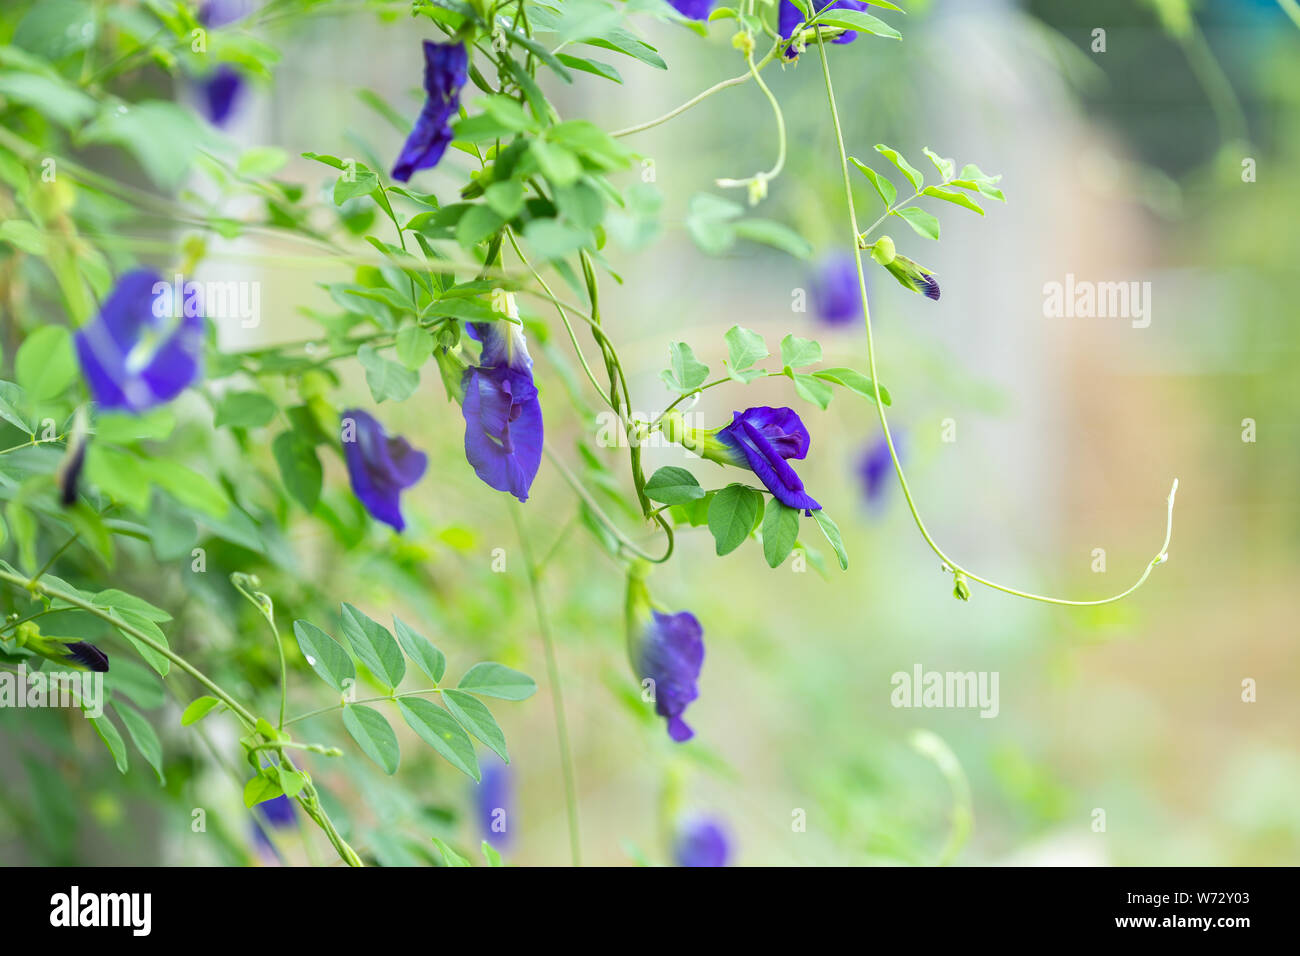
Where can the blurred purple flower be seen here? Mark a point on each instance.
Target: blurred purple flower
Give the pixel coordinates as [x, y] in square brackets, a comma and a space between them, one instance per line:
[762, 439]
[875, 468]
[701, 842]
[278, 814]
[789, 18]
[445, 71]
[835, 290]
[668, 649]
[379, 467]
[88, 656]
[224, 86]
[493, 803]
[133, 358]
[503, 418]
[692, 9]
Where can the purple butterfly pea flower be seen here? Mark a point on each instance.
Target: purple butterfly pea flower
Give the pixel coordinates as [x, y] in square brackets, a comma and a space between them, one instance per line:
[380, 467]
[790, 17]
[278, 814]
[762, 439]
[492, 803]
[701, 842]
[692, 9]
[446, 67]
[875, 468]
[835, 290]
[132, 357]
[503, 418]
[219, 91]
[88, 656]
[665, 649]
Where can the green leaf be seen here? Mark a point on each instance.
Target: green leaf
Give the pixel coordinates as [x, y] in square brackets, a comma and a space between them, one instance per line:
[907, 169]
[813, 389]
[558, 165]
[441, 732]
[112, 740]
[862, 22]
[884, 188]
[744, 347]
[260, 789]
[21, 234]
[946, 167]
[506, 198]
[45, 365]
[923, 222]
[374, 645]
[198, 709]
[164, 137]
[491, 855]
[354, 183]
[144, 737]
[414, 345]
[475, 717]
[325, 656]
[418, 648]
[672, 485]
[832, 532]
[854, 381]
[953, 196]
[374, 735]
[587, 65]
[776, 235]
[732, 514]
[300, 468]
[386, 378]
[687, 372]
[974, 178]
[449, 856]
[797, 352]
[189, 487]
[708, 220]
[490, 679]
[259, 161]
[780, 531]
[245, 410]
[113, 598]
[153, 658]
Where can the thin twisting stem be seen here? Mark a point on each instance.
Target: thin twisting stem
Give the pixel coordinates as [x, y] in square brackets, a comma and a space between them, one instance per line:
[951, 565]
[557, 696]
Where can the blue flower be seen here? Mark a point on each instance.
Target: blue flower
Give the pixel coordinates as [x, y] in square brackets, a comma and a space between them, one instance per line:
[790, 17]
[220, 89]
[875, 468]
[380, 467]
[763, 439]
[492, 803]
[836, 296]
[503, 418]
[445, 68]
[278, 814]
[668, 651]
[692, 9]
[701, 842]
[134, 358]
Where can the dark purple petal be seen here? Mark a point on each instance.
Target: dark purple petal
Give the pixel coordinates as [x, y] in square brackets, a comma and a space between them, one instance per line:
[125, 370]
[835, 290]
[503, 428]
[692, 9]
[219, 91]
[492, 802]
[445, 71]
[88, 656]
[701, 843]
[380, 467]
[875, 468]
[767, 437]
[670, 652]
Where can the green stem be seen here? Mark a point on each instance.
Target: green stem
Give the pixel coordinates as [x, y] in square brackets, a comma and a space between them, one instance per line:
[557, 698]
[700, 98]
[367, 700]
[604, 519]
[950, 564]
